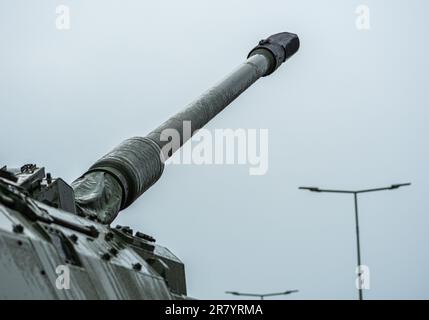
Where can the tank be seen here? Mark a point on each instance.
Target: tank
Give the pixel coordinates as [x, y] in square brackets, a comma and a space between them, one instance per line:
[57, 240]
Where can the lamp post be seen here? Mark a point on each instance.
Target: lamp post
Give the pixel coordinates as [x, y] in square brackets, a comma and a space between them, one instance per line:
[355, 193]
[261, 295]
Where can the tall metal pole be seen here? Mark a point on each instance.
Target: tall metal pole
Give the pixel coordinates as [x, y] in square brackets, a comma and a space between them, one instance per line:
[355, 193]
[358, 246]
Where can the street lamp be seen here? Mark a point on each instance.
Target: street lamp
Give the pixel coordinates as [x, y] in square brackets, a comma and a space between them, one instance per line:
[261, 295]
[355, 193]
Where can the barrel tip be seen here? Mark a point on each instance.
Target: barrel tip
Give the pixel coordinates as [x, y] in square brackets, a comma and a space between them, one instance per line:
[289, 42]
[280, 47]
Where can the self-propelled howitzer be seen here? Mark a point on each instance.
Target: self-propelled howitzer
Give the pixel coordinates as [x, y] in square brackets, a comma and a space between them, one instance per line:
[55, 239]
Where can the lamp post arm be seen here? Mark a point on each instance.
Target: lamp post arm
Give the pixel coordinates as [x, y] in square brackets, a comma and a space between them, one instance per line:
[279, 293]
[335, 191]
[244, 294]
[392, 187]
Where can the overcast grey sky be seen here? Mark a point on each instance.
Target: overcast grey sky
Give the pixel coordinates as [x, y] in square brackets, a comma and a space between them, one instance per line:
[350, 110]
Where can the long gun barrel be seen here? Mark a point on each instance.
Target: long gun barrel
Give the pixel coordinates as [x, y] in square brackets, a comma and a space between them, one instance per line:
[121, 176]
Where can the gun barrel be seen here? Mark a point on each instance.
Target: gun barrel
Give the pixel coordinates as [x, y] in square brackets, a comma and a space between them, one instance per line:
[121, 176]
[199, 112]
